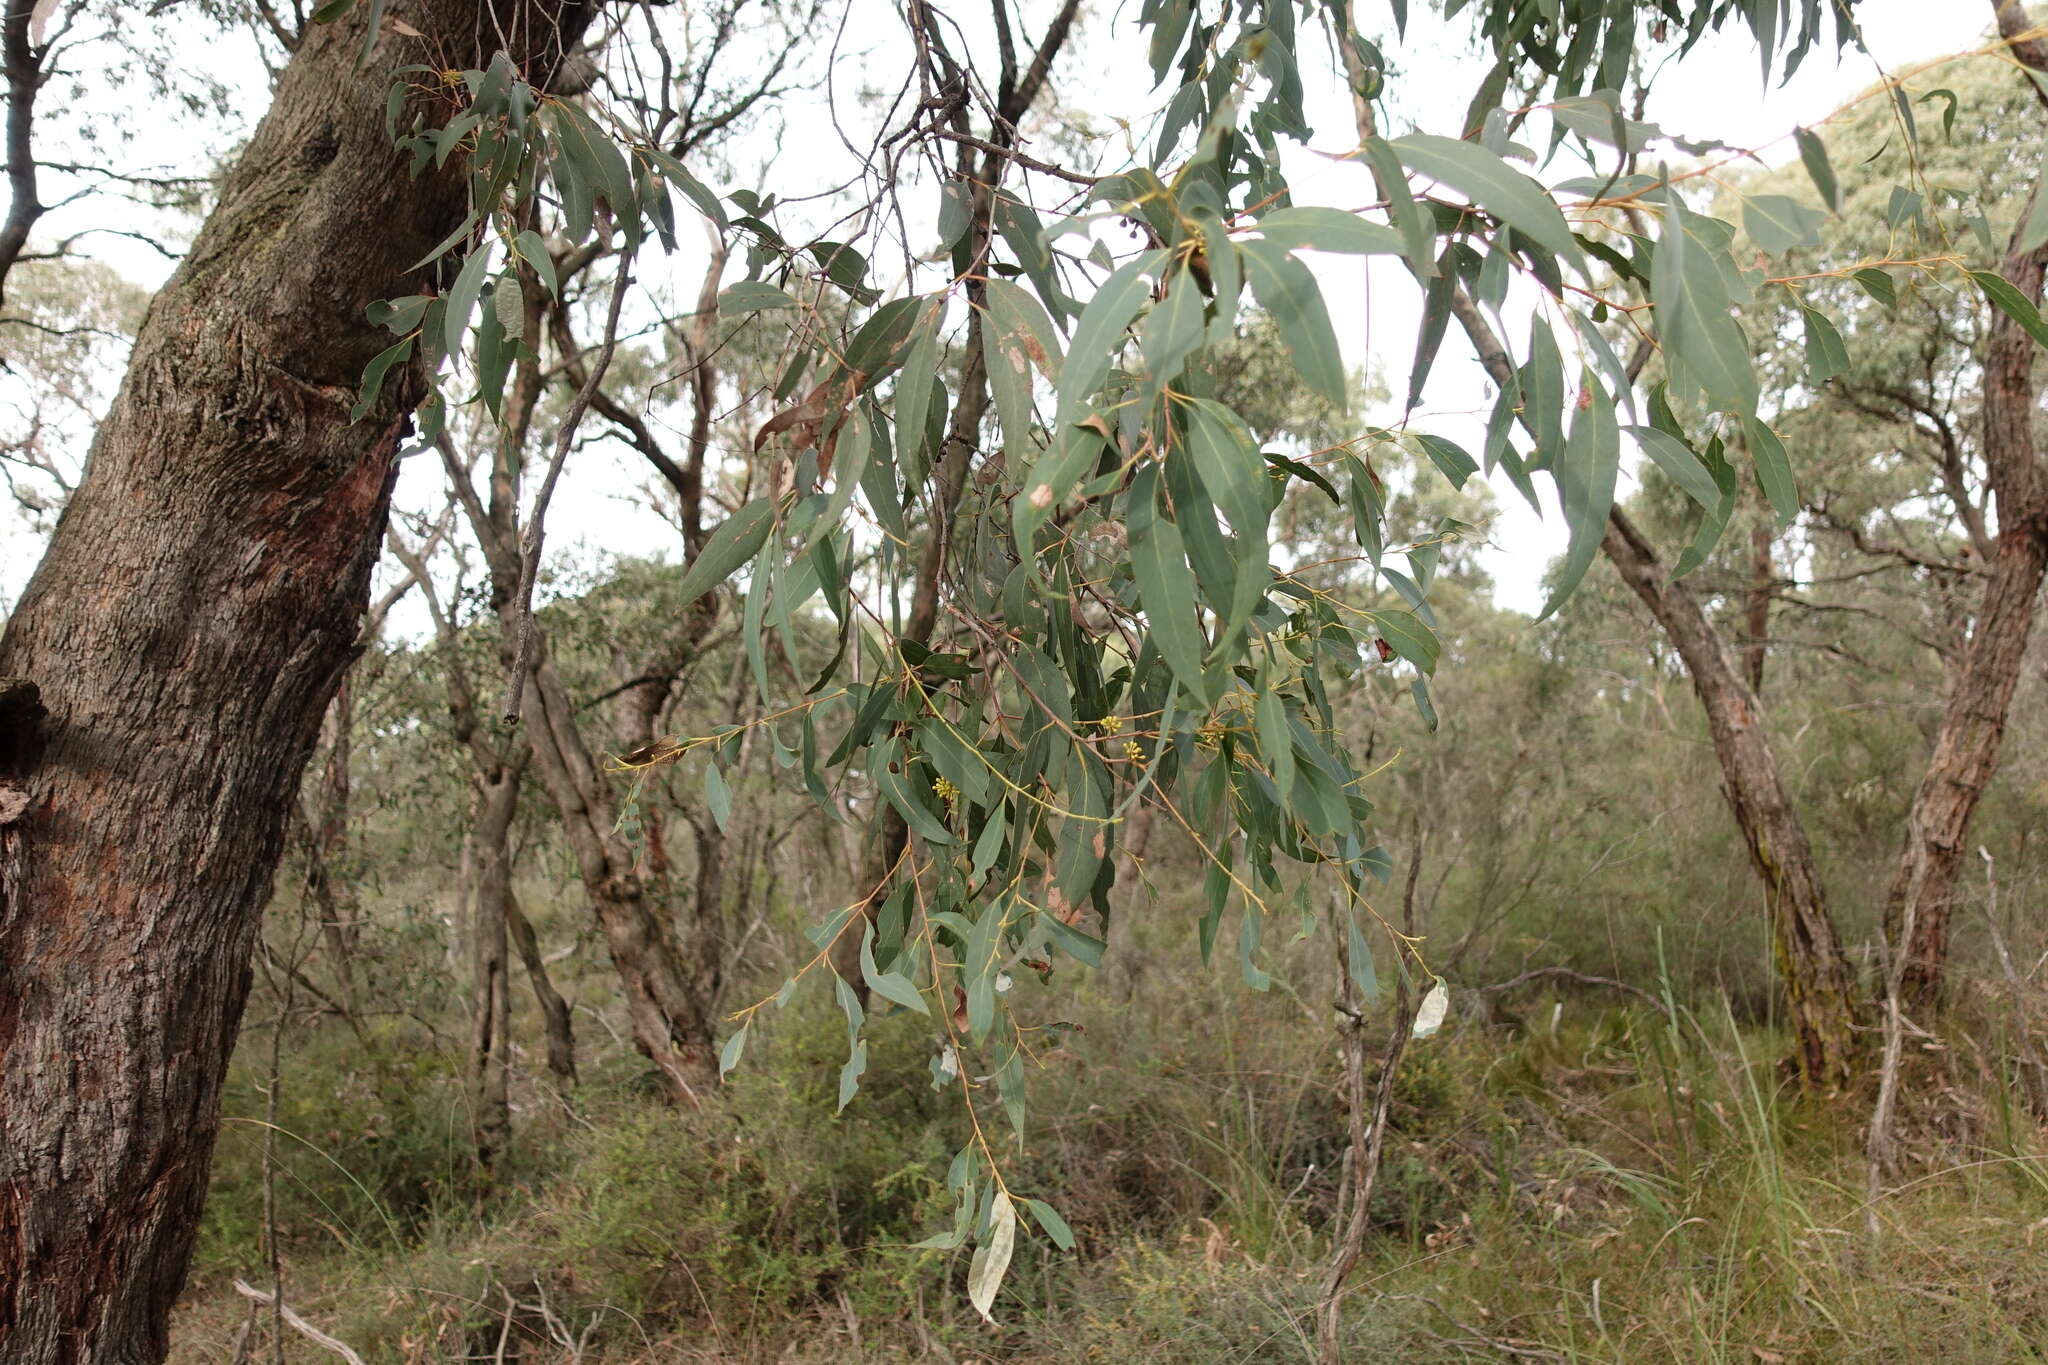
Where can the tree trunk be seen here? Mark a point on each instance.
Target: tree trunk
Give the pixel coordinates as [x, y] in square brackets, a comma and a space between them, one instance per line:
[187, 628]
[490, 882]
[1756, 611]
[671, 1016]
[326, 842]
[1819, 986]
[1918, 907]
[554, 1010]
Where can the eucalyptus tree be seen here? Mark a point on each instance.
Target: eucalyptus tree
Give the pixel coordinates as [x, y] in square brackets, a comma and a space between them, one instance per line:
[1052, 578]
[1906, 377]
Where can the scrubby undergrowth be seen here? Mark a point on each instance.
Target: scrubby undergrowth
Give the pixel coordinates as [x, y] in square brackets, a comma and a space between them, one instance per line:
[1595, 1184]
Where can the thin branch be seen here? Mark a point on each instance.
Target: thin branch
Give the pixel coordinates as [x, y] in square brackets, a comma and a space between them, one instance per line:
[529, 566]
[298, 1324]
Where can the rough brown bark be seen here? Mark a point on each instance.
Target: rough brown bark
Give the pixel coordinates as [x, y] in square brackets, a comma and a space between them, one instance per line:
[1820, 988]
[1919, 906]
[187, 627]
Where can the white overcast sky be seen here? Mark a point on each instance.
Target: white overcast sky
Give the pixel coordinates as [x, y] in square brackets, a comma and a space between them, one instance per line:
[1717, 93]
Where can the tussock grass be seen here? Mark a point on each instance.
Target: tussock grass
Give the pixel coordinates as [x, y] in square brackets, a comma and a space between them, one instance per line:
[1608, 1184]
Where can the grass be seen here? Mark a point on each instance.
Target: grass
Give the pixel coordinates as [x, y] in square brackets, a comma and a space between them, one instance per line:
[1604, 1185]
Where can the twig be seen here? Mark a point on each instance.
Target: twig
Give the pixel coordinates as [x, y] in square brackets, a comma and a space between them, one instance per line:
[1577, 978]
[1366, 1138]
[1029, 163]
[297, 1323]
[2031, 1065]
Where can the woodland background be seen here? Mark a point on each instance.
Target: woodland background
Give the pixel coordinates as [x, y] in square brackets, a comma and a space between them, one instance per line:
[441, 1141]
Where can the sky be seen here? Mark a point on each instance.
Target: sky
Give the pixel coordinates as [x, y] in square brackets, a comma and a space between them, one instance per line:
[1716, 92]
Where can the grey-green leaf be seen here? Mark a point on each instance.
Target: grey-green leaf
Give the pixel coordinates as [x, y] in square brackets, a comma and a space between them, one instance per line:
[1492, 184]
[738, 539]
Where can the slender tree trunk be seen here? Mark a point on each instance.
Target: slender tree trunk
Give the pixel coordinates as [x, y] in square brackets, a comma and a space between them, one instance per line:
[1756, 610]
[1919, 908]
[1820, 988]
[554, 1010]
[326, 842]
[187, 628]
[671, 1015]
[490, 880]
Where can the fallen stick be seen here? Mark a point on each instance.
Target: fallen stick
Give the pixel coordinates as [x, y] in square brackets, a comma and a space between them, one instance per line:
[304, 1328]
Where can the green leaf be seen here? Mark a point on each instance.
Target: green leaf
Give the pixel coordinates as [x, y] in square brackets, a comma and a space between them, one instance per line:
[1449, 457]
[469, 285]
[1359, 960]
[914, 387]
[1287, 290]
[1715, 519]
[1585, 487]
[893, 986]
[729, 1055]
[857, 1048]
[693, 189]
[1948, 114]
[534, 252]
[717, 795]
[1328, 229]
[596, 157]
[894, 784]
[1778, 224]
[1172, 331]
[1409, 637]
[1417, 229]
[1436, 317]
[753, 296]
[1269, 714]
[373, 377]
[955, 199]
[988, 845]
[1814, 153]
[1679, 464]
[1702, 341]
[1098, 336]
[508, 302]
[398, 316]
[1072, 941]
[1418, 690]
[738, 539]
[1054, 1225]
[2012, 303]
[1826, 356]
[992, 1258]
[1492, 184]
[1159, 562]
[1232, 472]
[1773, 470]
[1879, 285]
